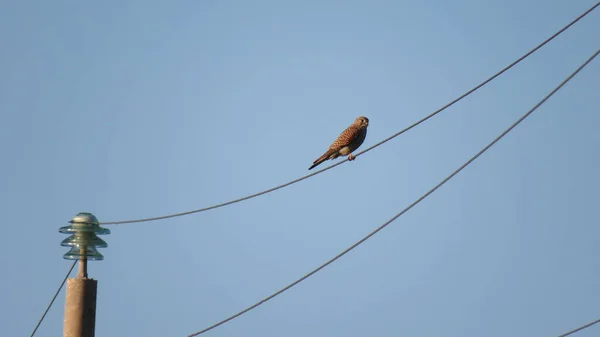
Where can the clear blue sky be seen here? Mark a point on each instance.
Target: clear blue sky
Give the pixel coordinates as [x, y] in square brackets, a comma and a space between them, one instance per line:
[143, 108]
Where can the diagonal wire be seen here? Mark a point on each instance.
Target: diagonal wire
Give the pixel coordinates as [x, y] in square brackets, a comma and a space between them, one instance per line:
[580, 328]
[53, 298]
[370, 148]
[473, 158]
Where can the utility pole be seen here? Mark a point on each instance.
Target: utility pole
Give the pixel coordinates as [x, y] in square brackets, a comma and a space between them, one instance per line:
[80, 302]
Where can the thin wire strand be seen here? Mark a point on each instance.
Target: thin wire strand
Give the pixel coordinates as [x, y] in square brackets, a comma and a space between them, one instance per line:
[580, 328]
[473, 158]
[54, 298]
[370, 148]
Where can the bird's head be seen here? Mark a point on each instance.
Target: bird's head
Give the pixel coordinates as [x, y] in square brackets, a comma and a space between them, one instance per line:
[362, 122]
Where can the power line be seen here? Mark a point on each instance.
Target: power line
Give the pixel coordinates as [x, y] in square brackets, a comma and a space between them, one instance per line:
[580, 328]
[53, 298]
[409, 206]
[370, 148]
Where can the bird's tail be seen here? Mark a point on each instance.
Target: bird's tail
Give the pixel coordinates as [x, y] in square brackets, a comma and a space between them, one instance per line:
[317, 162]
[322, 158]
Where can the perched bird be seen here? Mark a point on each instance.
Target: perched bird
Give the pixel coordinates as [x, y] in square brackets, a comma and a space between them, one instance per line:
[348, 141]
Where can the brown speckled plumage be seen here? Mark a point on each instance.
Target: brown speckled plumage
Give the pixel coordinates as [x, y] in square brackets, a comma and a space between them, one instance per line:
[348, 141]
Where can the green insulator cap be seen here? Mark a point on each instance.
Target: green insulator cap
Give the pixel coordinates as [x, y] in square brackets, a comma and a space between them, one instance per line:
[84, 227]
[90, 253]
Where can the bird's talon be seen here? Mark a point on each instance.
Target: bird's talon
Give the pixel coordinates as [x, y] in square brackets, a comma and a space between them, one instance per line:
[351, 157]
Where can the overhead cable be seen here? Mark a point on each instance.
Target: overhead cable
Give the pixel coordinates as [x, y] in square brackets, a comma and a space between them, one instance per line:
[53, 298]
[445, 180]
[368, 149]
[580, 328]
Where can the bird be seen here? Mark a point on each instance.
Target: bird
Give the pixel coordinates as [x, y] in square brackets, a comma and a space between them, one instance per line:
[348, 141]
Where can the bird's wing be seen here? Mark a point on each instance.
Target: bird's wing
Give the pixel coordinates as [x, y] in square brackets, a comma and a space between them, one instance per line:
[346, 137]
